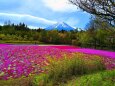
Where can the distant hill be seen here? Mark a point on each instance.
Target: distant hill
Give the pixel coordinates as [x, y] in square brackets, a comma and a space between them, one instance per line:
[60, 26]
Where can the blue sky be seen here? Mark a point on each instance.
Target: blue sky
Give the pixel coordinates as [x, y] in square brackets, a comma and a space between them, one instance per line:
[42, 13]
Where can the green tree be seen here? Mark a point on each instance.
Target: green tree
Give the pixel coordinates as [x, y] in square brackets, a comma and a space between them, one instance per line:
[85, 38]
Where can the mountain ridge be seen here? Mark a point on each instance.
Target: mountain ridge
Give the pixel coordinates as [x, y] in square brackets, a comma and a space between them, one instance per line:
[60, 26]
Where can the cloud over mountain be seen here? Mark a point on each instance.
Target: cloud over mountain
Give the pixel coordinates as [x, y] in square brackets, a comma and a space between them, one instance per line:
[28, 19]
[42, 13]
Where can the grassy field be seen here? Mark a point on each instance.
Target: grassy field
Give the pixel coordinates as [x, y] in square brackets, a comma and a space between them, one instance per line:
[105, 78]
[21, 42]
[60, 71]
[22, 81]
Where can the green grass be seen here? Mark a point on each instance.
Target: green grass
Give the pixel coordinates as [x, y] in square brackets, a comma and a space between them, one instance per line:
[22, 81]
[60, 70]
[105, 78]
[25, 42]
[21, 42]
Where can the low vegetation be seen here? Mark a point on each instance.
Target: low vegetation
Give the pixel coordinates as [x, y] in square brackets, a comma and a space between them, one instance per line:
[22, 81]
[105, 78]
[60, 70]
[98, 34]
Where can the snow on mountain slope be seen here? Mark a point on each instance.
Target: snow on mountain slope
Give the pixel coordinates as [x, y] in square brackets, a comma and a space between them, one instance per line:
[60, 26]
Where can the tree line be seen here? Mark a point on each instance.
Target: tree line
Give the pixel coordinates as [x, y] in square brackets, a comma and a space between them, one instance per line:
[98, 34]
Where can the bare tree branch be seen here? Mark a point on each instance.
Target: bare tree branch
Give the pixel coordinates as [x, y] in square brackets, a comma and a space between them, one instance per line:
[102, 8]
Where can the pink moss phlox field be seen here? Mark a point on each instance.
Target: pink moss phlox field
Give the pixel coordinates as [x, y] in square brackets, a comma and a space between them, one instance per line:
[104, 53]
[64, 47]
[109, 57]
[22, 60]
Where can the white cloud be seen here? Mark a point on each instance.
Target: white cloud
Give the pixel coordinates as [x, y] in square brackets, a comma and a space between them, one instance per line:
[26, 16]
[60, 5]
[28, 19]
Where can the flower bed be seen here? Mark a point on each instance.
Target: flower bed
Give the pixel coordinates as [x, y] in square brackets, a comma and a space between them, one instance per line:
[23, 60]
[16, 61]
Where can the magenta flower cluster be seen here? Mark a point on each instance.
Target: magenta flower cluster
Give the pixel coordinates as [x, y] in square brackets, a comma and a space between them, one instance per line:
[109, 56]
[22, 60]
[103, 53]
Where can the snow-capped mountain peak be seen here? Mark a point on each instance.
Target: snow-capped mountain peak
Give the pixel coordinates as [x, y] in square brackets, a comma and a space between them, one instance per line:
[60, 26]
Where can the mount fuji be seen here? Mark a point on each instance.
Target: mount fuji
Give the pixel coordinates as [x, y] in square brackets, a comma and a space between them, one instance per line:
[60, 26]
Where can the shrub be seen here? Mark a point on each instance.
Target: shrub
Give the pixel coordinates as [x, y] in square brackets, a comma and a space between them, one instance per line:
[60, 69]
[105, 78]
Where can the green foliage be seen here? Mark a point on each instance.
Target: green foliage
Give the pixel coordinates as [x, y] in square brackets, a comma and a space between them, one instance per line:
[59, 70]
[106, 78]
[102, 36]
[22, 81]
[85, 38]
[98, 34]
